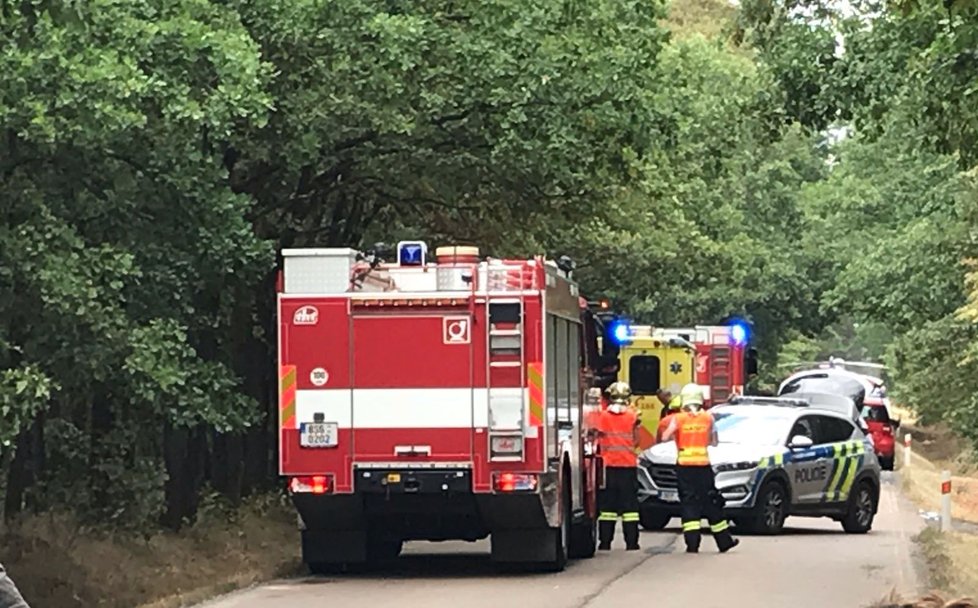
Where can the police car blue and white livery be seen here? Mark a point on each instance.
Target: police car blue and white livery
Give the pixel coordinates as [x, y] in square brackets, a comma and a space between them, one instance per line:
[776, 457]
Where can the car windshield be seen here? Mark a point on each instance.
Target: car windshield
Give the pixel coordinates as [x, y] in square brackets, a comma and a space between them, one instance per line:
[749, 428]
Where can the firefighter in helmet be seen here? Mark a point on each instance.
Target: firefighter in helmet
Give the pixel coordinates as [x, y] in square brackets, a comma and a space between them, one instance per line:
[618, 428]
[694, 431]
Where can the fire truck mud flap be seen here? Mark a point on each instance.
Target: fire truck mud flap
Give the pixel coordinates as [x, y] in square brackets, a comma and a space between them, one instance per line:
[334, 530]
[526, 528]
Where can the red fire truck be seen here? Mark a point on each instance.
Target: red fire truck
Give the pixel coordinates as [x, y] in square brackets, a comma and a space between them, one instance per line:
[436, 400]
[724, 360]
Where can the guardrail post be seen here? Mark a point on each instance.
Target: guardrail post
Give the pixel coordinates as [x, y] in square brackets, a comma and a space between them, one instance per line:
[906, 451]
[945, 501]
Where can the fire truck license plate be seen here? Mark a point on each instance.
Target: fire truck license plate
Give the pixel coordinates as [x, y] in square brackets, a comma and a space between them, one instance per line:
[318, 435]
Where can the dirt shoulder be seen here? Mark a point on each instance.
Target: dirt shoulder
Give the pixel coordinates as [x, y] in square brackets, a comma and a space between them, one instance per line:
[56, 564]
[951, 558]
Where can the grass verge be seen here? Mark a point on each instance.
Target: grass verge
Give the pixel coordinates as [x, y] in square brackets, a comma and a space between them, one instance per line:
[951, 558]
[58, 564]
[934, 451]
[952, 561]
[934, 550]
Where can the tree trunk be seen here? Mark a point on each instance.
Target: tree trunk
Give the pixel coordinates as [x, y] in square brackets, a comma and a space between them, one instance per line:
[18, 477]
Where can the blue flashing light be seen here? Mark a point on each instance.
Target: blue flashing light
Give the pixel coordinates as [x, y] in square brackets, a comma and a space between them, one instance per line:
[738, 333]
[621, 332]
[411, 254]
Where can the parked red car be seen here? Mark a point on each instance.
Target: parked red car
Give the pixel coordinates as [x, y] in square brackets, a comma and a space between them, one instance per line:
[876, 413]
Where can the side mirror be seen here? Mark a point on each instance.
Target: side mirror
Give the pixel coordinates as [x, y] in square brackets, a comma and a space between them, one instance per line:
[800, 442]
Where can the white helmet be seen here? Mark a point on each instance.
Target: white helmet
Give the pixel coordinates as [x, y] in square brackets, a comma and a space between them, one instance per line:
[692, 396]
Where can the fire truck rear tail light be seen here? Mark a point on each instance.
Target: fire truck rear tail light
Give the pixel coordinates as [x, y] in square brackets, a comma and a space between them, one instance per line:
[515, 482]
[311, 484]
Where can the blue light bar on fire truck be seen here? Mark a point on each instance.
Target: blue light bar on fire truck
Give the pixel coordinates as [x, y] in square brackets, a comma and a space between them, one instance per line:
[412, 253]
[739, 333]
[621, 332]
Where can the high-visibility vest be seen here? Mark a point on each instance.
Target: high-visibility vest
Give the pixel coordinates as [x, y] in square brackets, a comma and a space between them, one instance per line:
[693, 433]
[618, 438]
[663, 425]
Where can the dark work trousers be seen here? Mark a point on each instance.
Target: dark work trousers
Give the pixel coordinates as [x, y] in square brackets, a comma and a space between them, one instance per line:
[618, 497]
[700, 498]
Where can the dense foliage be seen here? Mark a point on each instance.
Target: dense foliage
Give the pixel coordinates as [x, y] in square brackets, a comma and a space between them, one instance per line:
[156, 155]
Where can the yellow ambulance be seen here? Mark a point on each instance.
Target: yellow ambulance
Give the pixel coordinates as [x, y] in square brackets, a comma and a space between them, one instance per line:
[651, 361]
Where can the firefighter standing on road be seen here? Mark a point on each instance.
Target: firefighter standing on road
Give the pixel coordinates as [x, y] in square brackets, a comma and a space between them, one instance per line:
[618, 428]
[694, 431]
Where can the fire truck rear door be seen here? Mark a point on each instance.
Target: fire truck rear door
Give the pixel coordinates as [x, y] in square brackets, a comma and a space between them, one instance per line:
[413, 381]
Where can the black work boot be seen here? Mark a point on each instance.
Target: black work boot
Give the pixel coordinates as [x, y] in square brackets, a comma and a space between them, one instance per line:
[606, 532]
[692, 541]
[630, 530]
[725, 542]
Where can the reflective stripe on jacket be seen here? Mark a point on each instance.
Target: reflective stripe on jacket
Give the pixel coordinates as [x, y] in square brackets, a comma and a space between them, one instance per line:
[694, 430]
[618, 438]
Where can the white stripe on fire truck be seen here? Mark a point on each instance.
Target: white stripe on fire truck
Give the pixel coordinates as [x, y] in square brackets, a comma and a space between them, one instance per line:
[401, 407]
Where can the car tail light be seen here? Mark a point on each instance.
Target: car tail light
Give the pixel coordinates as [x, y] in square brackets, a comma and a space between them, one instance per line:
[311, 484]
[515, 482]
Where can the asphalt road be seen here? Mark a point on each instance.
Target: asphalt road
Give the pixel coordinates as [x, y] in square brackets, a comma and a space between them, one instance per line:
[812, 565]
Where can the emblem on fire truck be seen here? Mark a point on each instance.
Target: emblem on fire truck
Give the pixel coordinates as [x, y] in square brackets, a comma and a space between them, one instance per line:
[456, 330]
[306, 315]
[701, 361]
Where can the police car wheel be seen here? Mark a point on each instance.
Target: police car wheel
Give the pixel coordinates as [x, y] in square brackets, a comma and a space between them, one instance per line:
[771, 510]
[861, 509]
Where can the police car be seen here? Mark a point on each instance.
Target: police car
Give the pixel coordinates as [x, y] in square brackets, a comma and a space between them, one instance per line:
[776, 457]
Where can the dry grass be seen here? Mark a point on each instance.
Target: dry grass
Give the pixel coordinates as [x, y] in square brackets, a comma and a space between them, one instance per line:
[58, 565]
[938, 560]
[962, 550]
[952, 558]
[933, 451]
[952, 561]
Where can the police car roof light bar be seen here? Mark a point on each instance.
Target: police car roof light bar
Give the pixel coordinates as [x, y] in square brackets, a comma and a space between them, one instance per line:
[754, 400]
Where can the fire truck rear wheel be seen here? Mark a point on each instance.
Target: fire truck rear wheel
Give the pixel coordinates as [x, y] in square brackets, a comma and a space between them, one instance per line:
[584, 539]
[383, 550]
[563, 535]
[324, 568]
